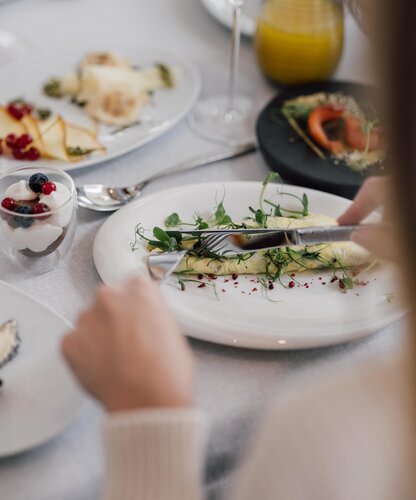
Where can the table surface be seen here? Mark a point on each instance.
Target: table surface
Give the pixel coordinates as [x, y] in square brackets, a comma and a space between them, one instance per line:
[232, 385]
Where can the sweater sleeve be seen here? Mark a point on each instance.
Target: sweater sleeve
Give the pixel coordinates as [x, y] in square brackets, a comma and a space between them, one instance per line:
[154, 455]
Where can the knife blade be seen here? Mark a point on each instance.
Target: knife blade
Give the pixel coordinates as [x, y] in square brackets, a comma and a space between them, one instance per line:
[295, 237]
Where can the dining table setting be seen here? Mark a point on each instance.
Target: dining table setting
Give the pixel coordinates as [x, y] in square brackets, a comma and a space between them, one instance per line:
[196, 142]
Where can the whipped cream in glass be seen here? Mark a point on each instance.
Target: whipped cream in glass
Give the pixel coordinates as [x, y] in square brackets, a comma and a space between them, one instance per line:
[38, 216]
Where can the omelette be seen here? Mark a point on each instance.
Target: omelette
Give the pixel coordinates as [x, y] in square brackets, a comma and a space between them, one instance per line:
[341, 255]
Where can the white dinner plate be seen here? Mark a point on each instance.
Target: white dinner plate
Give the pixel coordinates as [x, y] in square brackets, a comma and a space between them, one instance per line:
[222, 11]
[38, 398]
[243, 315]
[167, 107]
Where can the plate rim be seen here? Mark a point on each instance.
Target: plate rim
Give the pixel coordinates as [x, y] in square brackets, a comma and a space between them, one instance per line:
[291, 344]
[69, 420]
[183, 59]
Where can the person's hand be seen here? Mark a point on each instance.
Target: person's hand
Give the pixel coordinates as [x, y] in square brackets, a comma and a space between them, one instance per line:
[378, 240]
[128, 351]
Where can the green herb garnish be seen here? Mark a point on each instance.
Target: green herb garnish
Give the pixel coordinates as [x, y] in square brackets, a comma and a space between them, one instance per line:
[173, 220]
[259, 216]
[166, 75]
[77, 151]
[43, 113]
[53, 88]
[278, 210]
[78, 103]
[221, 217]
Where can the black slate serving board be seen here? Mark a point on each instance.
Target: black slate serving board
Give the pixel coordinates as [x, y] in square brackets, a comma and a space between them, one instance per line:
[286, 153]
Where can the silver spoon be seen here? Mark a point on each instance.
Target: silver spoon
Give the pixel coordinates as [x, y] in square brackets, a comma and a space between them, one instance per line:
[108, 199]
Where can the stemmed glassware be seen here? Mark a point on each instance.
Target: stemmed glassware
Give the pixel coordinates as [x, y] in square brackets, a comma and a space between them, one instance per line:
[226, 118]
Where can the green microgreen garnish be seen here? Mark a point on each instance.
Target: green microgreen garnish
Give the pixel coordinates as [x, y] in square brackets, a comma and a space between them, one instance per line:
[43, 113]
[77, 102]
[271, 177]
[259, 216]
[52, 88]
[166, 75]
[221, 217]
[78, 151]
[367, 127]
[173, 220]
[278, 210]
[297, 110]
[292, 112]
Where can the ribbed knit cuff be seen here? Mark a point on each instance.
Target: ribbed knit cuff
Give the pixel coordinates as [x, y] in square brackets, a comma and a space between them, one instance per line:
[154, 455]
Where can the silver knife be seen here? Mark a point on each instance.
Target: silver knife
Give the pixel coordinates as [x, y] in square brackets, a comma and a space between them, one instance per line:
[296, 237]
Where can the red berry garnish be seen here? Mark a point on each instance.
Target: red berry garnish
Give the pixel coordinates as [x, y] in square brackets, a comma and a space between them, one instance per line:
[41, 208]
[9, 204]
[23, 141]
[48, 187]
[1, 147]
[291, 284]
[33, 154]
[15, 111]
[26, 109]
[11, 140]
[19, 154]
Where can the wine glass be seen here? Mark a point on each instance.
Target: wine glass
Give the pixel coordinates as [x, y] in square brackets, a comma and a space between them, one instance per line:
[226, 118]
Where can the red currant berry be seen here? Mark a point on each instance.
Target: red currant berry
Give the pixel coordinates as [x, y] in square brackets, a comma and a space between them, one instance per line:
[41, 208]
[18, 154]
[9, 204]
[48, 187]
[24, 140]
[11, 140]
[15, 111]
[291, 284]
[32, 154]
[26, 109]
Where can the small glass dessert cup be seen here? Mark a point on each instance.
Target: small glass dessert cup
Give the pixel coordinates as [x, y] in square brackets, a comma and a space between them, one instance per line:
[37, 216]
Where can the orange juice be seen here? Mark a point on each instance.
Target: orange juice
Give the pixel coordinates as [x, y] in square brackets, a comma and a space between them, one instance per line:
[299, 41]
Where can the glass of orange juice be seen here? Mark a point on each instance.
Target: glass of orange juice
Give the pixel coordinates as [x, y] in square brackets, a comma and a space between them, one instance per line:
[299, 41]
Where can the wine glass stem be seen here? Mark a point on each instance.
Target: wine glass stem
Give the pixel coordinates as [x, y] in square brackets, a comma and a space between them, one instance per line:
[235, 57]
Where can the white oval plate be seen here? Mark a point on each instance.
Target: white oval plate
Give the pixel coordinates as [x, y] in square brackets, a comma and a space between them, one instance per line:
[317, 316]
[39, 397]
[167, 108]
[222, 11]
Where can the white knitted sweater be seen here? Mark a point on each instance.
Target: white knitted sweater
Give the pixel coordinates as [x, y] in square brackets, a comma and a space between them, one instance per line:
[343, 438]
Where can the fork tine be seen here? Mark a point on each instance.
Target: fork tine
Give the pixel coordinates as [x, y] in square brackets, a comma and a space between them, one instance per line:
[207, 242]
[214, 243]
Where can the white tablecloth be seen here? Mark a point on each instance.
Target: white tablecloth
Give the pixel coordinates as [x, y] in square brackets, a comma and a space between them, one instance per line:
[232, 385]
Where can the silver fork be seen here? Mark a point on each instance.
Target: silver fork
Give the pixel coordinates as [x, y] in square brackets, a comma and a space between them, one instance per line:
[162, 265]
